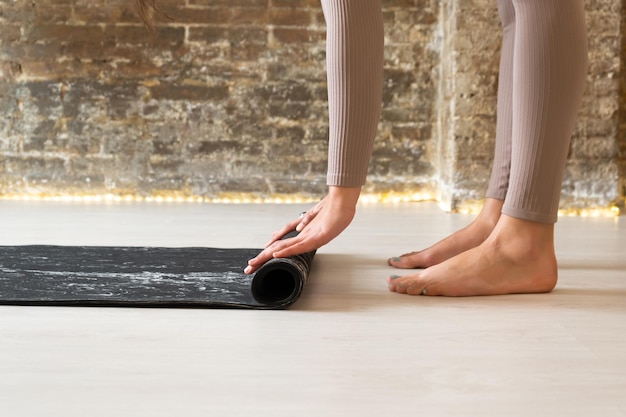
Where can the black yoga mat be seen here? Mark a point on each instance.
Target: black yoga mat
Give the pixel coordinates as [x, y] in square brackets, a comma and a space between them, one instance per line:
[148, 277]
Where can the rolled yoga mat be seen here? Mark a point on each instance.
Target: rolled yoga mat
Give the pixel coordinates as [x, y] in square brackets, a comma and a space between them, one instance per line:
[148, 277]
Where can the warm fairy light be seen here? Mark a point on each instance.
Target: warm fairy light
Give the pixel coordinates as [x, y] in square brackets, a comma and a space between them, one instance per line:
[395, 198]
[612, 211]
[472, 207]
[445, 206]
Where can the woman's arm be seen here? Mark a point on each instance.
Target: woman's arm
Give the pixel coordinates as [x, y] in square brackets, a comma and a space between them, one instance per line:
[354, 60]
[354, 54]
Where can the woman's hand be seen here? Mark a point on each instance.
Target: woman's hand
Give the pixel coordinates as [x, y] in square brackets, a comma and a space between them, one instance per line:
[318, 226]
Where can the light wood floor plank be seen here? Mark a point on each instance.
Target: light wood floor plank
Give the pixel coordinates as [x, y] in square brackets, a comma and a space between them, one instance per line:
[347, 348]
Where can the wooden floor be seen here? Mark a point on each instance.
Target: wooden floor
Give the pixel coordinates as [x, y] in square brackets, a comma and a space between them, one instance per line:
[348, 347]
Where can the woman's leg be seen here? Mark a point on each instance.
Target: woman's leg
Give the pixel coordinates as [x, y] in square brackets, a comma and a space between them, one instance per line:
[549, 73]
[477, 231]
[550, 67]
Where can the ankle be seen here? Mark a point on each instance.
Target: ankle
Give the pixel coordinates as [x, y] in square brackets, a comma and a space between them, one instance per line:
[484, 224]
[532, 238]
[490, 213]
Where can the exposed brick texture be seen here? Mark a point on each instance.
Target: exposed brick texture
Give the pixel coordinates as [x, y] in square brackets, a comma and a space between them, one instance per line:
[230, 96]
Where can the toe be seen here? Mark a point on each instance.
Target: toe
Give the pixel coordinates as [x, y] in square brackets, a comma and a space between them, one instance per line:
[400, 288]
[411, 260]
[402, 261]
[402, 284]
[392, 281]
[417, 288]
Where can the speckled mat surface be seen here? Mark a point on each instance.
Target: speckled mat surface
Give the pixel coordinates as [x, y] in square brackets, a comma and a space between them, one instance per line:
[147, 277]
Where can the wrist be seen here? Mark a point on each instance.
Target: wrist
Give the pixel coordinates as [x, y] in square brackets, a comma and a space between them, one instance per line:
[346, 196]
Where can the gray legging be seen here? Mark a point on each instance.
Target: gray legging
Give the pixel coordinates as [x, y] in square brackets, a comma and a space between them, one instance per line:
[543, 70]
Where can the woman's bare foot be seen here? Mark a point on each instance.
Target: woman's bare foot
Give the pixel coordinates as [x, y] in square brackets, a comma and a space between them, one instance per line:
[518, 257]
[469, 237]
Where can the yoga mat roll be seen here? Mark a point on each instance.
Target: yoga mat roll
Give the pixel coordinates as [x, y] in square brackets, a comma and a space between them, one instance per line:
[148, 277]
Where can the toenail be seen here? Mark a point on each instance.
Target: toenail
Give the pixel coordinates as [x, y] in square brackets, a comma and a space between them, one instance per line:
[424, 291]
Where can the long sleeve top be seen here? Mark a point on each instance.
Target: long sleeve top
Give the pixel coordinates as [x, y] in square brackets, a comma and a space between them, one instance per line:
[354, 55]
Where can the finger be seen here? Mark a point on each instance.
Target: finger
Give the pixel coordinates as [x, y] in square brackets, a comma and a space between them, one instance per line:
[296, 248]
[268, 253]
[276, 236]
[302, 224]
[306, 218]
[257, 261]
[298, 225]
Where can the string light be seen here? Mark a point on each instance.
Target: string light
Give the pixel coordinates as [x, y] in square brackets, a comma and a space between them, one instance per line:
[472, 207]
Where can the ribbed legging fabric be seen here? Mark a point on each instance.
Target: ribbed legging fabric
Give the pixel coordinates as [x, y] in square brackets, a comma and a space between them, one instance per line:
[543, 69]
[354, 60]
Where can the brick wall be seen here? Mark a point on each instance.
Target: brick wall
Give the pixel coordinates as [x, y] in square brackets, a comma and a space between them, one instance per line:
[621, 130]
[469, 85]
[467, 99]
[592, 175]
[230, 96]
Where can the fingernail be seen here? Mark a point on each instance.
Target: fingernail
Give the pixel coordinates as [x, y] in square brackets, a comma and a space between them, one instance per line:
[395, 259]
[394, 276]
[247, 269]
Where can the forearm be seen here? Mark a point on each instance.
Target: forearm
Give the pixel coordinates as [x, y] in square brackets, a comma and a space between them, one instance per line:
[347, 196]
[355, 43]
